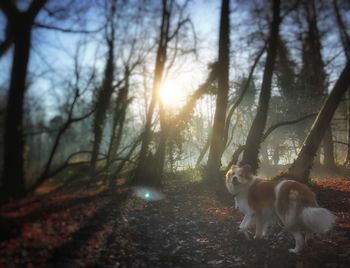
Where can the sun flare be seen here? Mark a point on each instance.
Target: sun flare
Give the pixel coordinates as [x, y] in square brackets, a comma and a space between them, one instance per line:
[170, 93]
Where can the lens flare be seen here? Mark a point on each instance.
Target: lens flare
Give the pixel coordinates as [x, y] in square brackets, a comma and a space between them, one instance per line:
[148, 193]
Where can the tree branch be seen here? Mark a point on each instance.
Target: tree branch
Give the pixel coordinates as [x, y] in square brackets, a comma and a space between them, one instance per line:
[245, 89]
[9, 9]
[35, 7]
[65, 30]
[65, 165]
[76, 119]
[178, 28]
[6, 44]
[202, 89]
[342, 29]
[341, 142]
[241, 148]
[290, 9]
[285, 123]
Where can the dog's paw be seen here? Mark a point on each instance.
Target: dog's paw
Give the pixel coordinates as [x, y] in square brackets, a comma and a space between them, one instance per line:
[245, 233]
[258, 237]
[294, 250]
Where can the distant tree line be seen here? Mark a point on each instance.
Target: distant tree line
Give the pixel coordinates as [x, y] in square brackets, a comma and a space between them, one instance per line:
[274, 95]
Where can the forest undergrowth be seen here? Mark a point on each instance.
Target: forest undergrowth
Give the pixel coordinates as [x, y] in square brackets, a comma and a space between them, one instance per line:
[194, 225]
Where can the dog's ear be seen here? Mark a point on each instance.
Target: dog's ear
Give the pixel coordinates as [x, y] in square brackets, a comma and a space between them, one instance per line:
[229, 172]
[247, 171]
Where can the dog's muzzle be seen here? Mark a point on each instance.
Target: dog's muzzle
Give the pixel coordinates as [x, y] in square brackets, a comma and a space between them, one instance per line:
[235, 180]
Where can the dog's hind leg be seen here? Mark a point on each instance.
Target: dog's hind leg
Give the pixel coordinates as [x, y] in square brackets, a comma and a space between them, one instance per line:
[308, 236]
[265, 228]
[260, 227]
[268, 218]
[299, 242]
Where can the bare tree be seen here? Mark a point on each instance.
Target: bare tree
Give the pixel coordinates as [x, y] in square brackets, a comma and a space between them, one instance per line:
[121, 105]
[328, 149]
[313, 77]
[218, 141]
[164, 120]
[253, 141]
[21, 24]
[300, 169]
[106, 90]
[345, 39]
[247, 83]
[141, 170]
[69, 121]
[152, 172]
[240, 149]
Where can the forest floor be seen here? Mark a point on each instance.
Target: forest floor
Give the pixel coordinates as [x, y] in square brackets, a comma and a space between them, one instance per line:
[192, 226]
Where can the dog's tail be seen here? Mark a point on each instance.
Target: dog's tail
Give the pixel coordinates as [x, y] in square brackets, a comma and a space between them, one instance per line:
[318, 220]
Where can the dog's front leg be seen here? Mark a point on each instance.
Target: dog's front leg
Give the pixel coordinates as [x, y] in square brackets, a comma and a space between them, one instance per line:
[245, 224]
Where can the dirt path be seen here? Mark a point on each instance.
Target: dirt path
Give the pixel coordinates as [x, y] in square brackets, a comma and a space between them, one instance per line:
[190, 227]
[194, 227]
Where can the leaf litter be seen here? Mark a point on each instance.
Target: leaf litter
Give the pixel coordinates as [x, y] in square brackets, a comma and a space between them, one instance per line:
[192, 225]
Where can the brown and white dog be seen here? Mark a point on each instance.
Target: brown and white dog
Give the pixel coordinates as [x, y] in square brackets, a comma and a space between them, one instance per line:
[263, 201]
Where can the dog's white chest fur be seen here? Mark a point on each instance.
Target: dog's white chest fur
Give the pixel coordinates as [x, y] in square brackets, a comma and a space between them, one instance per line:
[242, 203]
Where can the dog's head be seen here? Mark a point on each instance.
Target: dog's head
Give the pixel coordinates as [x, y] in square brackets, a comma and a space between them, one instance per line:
[238, 178]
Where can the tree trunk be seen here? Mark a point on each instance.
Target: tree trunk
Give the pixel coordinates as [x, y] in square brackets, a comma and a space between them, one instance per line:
[265, 154]
[344, 37]
[347, 160]
[105, 92]
[13, 172]
[229, 141]
[300, 169]
[235, 155]
[142, 172]
[160, 153]
[251, 153]
[52, 153]
[203, 151]
[276, 155]
[103, 101]
[240, 98]
[328, 149]
[272, 128]
[218, 143]
[121, 105]
[13, 178]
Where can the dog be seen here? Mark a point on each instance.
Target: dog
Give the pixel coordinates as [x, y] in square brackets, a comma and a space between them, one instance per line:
[263, 202]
